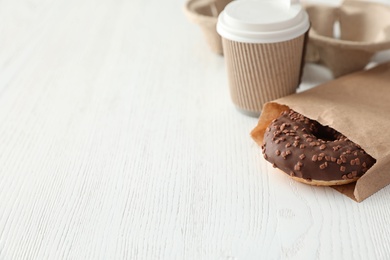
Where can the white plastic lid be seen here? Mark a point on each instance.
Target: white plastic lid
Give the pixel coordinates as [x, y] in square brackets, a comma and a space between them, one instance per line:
[262, 21]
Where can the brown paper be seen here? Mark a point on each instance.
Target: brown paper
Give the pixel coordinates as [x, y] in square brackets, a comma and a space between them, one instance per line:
[205, 14]
[364, 30]
[358, 106]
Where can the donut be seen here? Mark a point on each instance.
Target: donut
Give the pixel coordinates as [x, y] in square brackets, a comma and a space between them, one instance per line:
[312, 153]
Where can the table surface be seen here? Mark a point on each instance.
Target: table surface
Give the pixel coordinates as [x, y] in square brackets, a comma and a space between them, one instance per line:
[118, 140]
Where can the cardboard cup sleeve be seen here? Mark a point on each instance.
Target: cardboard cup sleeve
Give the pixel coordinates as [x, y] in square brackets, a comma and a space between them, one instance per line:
[260, 72]
[357, 105]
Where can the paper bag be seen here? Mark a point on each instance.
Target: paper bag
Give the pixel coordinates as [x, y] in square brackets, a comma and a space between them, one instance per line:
[358, 106]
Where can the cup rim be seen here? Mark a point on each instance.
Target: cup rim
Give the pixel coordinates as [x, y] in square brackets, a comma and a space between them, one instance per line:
[238, 28]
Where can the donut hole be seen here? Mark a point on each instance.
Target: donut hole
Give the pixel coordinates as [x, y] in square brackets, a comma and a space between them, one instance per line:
[326, 133]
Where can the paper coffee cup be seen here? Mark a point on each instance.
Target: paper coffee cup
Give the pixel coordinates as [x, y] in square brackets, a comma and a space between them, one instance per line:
[263, 43]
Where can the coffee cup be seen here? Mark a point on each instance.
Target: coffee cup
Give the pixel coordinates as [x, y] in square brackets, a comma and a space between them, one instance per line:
[263, 43]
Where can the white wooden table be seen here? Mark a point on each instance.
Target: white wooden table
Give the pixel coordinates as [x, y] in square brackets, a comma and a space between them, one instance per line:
[118, 140]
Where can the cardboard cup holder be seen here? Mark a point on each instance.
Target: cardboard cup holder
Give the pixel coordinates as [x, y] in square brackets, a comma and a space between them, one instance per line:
[205, 14]
[344, 38]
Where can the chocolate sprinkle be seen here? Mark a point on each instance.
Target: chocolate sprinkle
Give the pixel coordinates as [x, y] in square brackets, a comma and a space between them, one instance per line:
[357, 161]
[323, 166]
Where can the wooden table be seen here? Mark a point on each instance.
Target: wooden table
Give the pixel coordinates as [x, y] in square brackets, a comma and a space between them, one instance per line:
[118, 140]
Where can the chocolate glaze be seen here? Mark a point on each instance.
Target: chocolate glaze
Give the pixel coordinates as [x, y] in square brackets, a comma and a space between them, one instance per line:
[306, 149]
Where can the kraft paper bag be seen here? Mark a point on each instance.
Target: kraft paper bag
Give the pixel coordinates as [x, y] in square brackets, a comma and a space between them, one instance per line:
[356, 105]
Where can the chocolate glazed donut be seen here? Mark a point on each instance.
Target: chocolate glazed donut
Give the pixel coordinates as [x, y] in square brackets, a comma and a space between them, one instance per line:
[312, 153]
